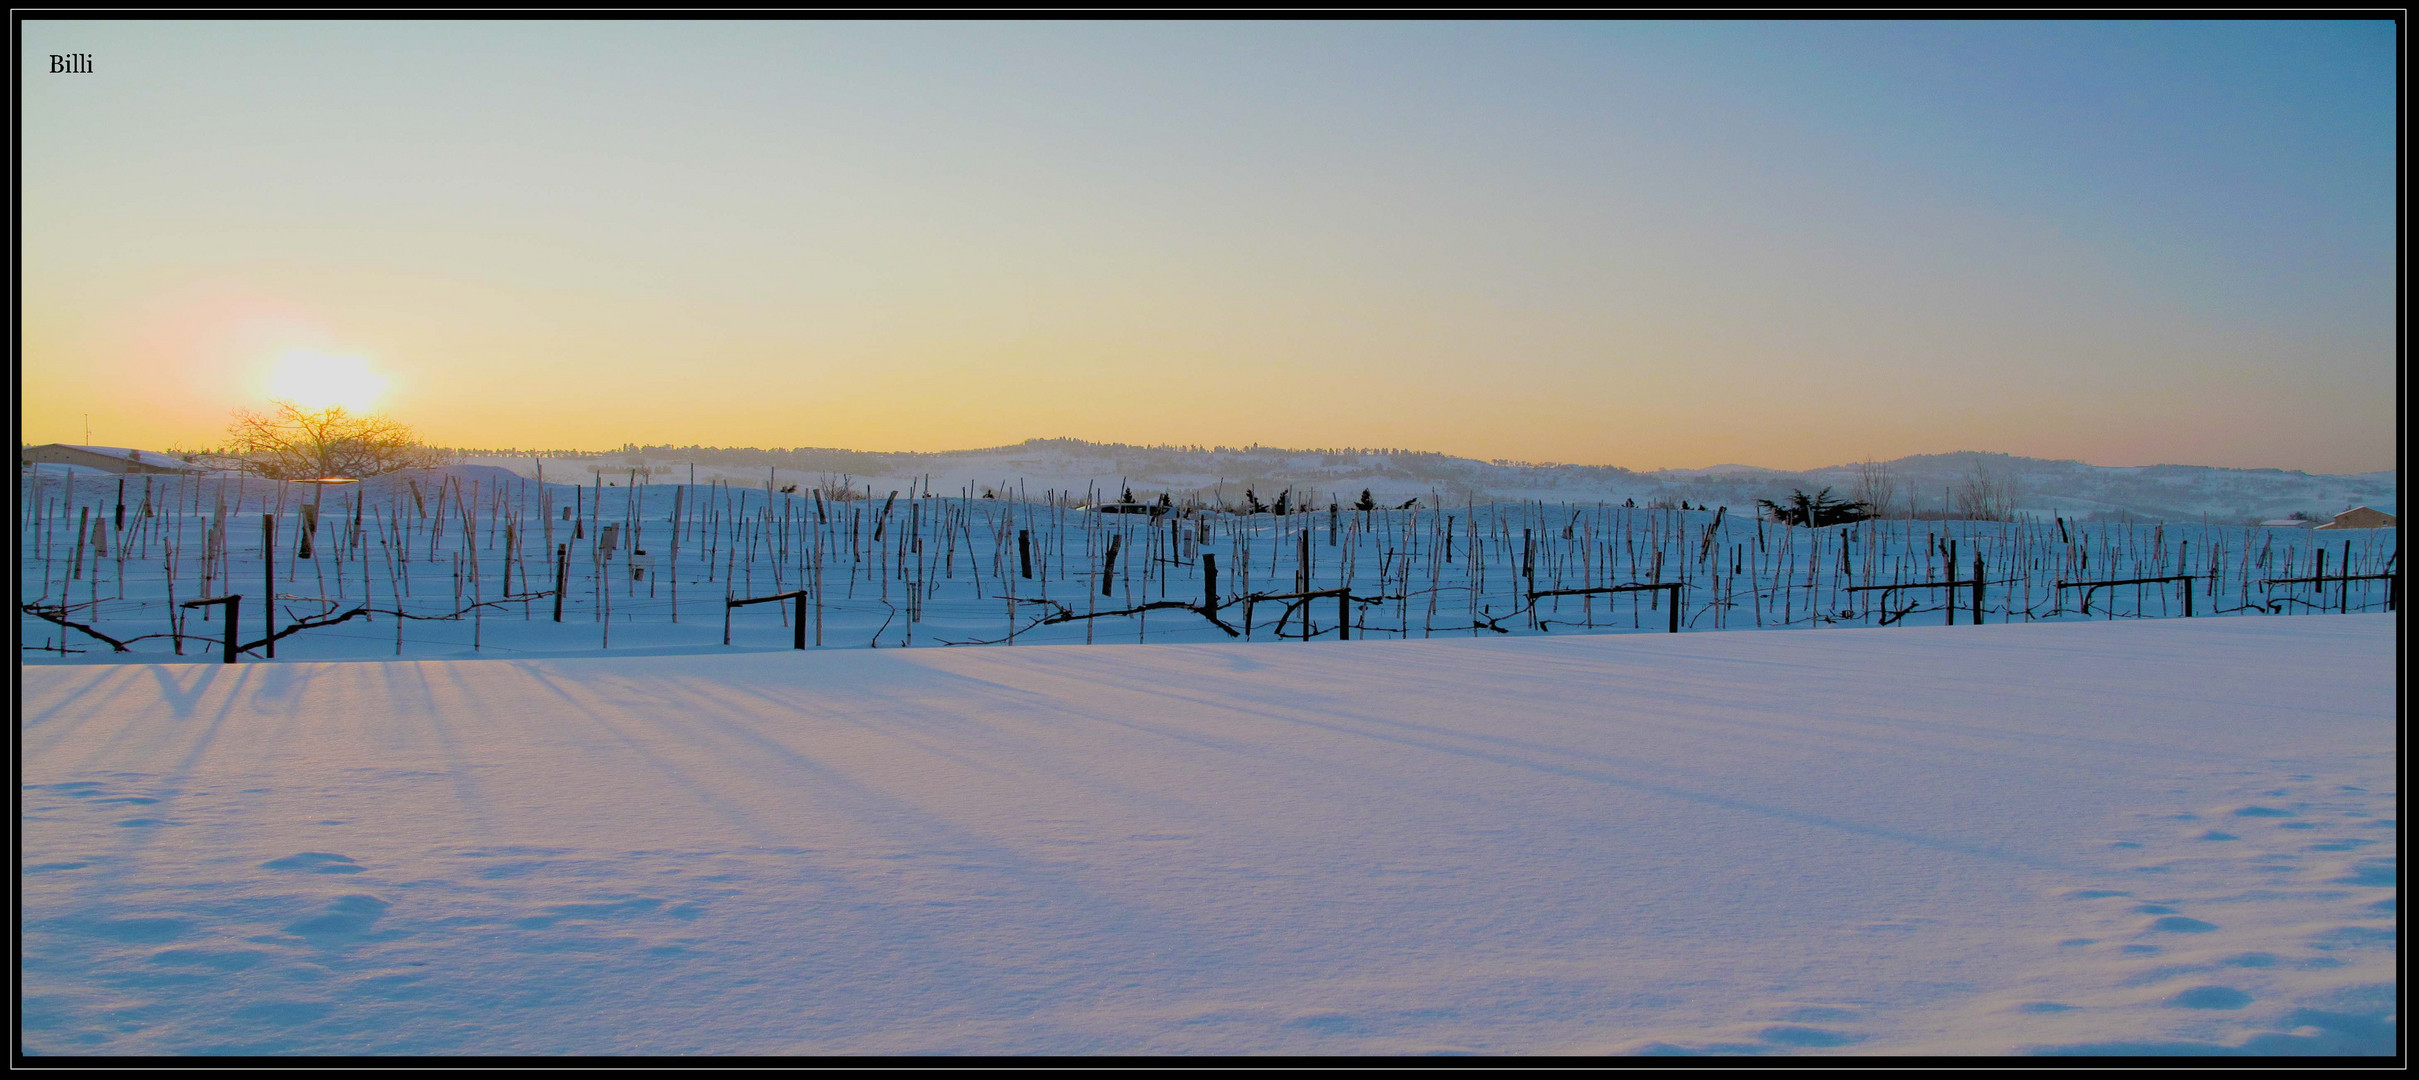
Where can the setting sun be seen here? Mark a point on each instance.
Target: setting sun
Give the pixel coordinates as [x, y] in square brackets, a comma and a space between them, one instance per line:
[318, 380]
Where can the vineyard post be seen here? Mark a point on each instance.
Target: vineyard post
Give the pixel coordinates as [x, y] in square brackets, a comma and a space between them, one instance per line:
[1978, 585]
[268, 566]
[1951, 567]
[234, 605]
[2343, 598]
[2184, 565]
[1209, 584]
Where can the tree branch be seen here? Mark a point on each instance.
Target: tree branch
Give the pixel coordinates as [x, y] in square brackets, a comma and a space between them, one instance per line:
[41, 612]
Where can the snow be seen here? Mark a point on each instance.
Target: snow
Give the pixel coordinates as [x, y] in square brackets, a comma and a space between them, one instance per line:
[2144, 836]
[464, 558]
[2042, 488]
[139, 457]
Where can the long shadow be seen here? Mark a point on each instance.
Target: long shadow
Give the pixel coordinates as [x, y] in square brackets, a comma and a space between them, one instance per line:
[1091, 916]
[112, 872]
[701, 791]
[1632, 692]
[458, 768]
[75, 706]
[1502, 750]
[1432, 738]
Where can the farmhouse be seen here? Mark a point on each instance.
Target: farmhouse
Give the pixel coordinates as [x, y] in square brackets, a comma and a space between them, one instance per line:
[116, 459]
[2361, 517]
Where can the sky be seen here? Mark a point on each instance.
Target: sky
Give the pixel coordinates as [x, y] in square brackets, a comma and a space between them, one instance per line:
[1642, 244]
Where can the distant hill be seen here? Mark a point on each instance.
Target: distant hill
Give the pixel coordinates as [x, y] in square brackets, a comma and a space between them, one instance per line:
[1103, 470]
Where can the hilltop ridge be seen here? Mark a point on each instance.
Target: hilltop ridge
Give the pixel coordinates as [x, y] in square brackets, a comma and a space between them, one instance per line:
[1925, 482]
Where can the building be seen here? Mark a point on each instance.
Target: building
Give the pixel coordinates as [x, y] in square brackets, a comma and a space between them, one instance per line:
[2361, 517]
[116, 459]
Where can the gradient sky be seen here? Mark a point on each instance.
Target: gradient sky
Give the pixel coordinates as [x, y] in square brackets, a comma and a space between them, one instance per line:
[1640, 244]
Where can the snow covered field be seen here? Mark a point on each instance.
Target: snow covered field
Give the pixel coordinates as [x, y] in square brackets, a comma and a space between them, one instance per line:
[2143, 836]
[2043, 487]
[472, 562]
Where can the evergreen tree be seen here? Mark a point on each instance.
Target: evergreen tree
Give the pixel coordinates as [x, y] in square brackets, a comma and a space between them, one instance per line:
[1815, 511]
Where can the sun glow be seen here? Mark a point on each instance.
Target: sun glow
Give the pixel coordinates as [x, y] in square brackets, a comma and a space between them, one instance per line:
[316, 380]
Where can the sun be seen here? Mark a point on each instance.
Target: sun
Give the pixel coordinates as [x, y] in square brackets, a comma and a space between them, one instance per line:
[316, 380]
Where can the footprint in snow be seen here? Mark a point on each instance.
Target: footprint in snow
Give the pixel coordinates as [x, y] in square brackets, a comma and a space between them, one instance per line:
[2379, 872]
[1800, 1035]
[2210, 997]
[2178, 924]
[315, 862]
[611, 909]
[1329, 1023]
[77, 789]
[285, 1013]
[212, 959]
[1818, 1013]
[2353, 937]
[349, 917]
[2340, 845]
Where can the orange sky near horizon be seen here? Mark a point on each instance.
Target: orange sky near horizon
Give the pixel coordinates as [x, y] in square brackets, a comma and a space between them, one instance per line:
[1620, 246]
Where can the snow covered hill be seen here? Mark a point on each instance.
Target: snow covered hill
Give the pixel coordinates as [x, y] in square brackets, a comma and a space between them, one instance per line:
[2075, 490]
[2144, 836]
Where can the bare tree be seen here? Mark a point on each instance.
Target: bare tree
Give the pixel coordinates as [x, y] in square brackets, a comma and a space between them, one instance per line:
[289, 442]
[1986, 494]
[1884, 492]
[843, 488]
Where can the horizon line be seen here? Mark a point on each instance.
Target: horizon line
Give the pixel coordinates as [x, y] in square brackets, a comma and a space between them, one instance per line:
[628, 448]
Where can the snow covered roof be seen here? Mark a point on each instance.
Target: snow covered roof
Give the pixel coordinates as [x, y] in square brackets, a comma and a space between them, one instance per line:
[2361, 517]
[143, 460]
[143, 457]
